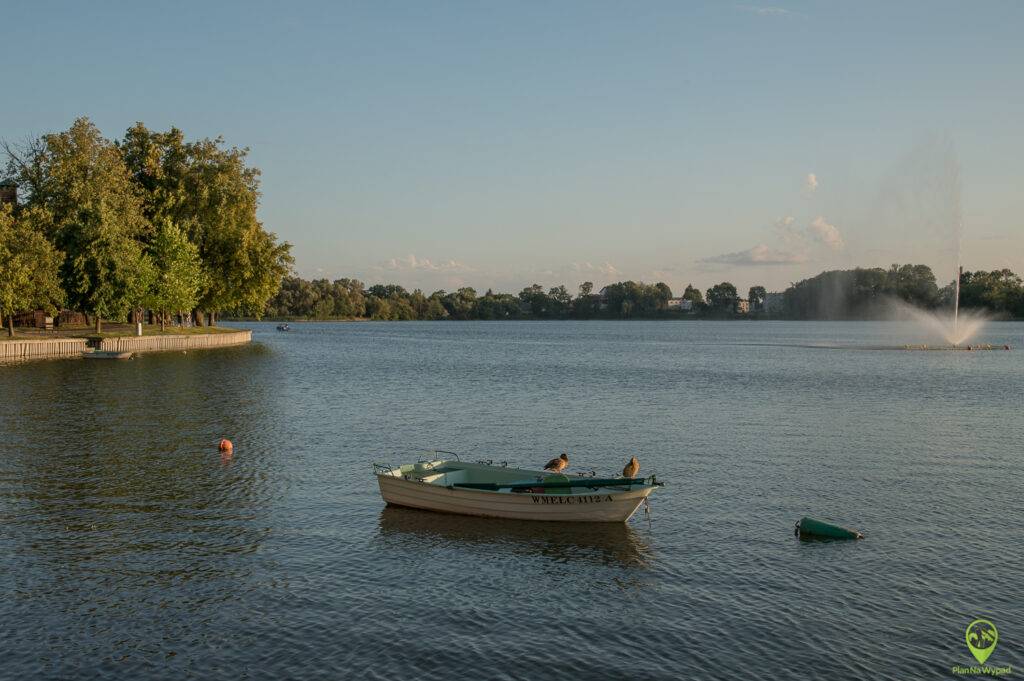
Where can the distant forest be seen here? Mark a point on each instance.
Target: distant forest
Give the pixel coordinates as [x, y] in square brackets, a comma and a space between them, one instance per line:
[868, 293]
[861, 293]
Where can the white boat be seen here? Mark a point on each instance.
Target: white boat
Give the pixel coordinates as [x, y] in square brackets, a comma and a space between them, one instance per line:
[483, 489]
[106, 354]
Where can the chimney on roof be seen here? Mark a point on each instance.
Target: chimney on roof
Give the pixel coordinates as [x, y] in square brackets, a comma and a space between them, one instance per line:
[8, 193]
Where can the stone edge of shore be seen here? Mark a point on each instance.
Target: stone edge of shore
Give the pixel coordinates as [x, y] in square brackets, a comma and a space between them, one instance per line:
[36, 348]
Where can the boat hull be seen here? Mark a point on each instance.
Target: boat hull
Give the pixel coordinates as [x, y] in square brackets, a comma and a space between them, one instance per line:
[608, 506]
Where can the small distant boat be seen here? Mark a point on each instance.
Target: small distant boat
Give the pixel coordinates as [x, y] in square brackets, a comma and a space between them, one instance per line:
[106, 354]
[483, 489]
[283, 327]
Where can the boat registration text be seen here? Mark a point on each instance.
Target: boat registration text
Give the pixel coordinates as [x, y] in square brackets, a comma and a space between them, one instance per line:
[557, 499]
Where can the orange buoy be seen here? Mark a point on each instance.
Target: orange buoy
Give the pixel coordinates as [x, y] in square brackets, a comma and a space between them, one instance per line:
[225, 445]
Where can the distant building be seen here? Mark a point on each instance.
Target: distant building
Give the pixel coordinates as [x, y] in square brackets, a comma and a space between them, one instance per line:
[680, 305]
[35, 319]
[8, 193]
[742, 306]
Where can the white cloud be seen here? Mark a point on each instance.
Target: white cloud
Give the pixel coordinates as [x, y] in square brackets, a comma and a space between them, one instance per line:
[794, 245]
[826, 233]
[811, 182]
[765, 11]
[761, 254]
[605, 269]
[411, 263]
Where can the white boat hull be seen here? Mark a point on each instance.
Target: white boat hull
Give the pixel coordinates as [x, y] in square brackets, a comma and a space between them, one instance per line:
[603, 506]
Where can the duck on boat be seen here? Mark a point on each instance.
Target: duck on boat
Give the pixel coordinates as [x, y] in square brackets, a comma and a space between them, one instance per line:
[499, 491]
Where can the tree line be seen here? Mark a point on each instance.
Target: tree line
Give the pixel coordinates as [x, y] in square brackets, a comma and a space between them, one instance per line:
[866, 293]
[350, 299]
[861, 293]
[149, 221]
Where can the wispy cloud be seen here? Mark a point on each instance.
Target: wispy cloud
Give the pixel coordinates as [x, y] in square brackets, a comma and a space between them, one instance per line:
[793, 245]
[605, 269]
[811, 182]
[764, 11]
[761, 254]
[826, 233]
[415, 272]
[411, 263]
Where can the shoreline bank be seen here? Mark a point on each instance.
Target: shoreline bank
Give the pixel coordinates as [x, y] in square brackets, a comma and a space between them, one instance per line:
[33, 348]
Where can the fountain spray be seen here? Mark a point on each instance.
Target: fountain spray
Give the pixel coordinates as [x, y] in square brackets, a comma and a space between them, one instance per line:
[956, 306]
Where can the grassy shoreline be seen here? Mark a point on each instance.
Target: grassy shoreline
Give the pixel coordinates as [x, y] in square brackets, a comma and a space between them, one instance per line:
[110, 331]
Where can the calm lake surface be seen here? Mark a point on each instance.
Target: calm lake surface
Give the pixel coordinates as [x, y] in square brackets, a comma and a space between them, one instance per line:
[129, 549]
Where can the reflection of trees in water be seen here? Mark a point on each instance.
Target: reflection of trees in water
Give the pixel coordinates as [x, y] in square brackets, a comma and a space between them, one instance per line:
[602, 543]
[124, 536]
[112, 467]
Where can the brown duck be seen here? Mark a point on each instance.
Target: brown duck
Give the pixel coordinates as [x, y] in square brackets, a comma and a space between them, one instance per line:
[558, 464]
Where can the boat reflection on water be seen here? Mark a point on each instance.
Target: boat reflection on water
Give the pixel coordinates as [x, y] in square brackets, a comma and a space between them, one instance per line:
[600, 543]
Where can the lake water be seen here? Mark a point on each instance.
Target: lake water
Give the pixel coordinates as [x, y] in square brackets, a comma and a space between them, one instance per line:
[130, 549]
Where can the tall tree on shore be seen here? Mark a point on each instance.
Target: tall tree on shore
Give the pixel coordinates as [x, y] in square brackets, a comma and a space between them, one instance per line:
[757, 295]
[722, 297]
[94, 216]
[210, 190]
[29, 266]
[693, 294]
[178, 272]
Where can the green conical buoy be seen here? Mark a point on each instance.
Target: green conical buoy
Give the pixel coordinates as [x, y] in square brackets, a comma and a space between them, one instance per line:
[809, 527]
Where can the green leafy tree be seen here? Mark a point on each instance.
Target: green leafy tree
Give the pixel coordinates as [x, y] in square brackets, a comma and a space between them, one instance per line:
[560, 301]
[586, 304]
[212, 192]
[913, 283]
[95, 217]
[29, 266]
[660, 294]
[349, 300]
[113, 275]
[757, 296]
[435, 307]
[379, 308]
[860, 293]
[178, 272]
[722, 298]
[694, 295]
[536, 299]
[461, 304]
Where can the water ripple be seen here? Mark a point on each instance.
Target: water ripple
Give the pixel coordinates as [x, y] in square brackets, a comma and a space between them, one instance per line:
[129, 547]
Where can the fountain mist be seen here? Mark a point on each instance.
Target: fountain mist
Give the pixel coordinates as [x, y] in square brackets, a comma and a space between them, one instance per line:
[956, 331]
[938, 199]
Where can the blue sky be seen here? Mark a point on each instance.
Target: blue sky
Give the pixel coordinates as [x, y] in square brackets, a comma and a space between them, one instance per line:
[501, 144]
